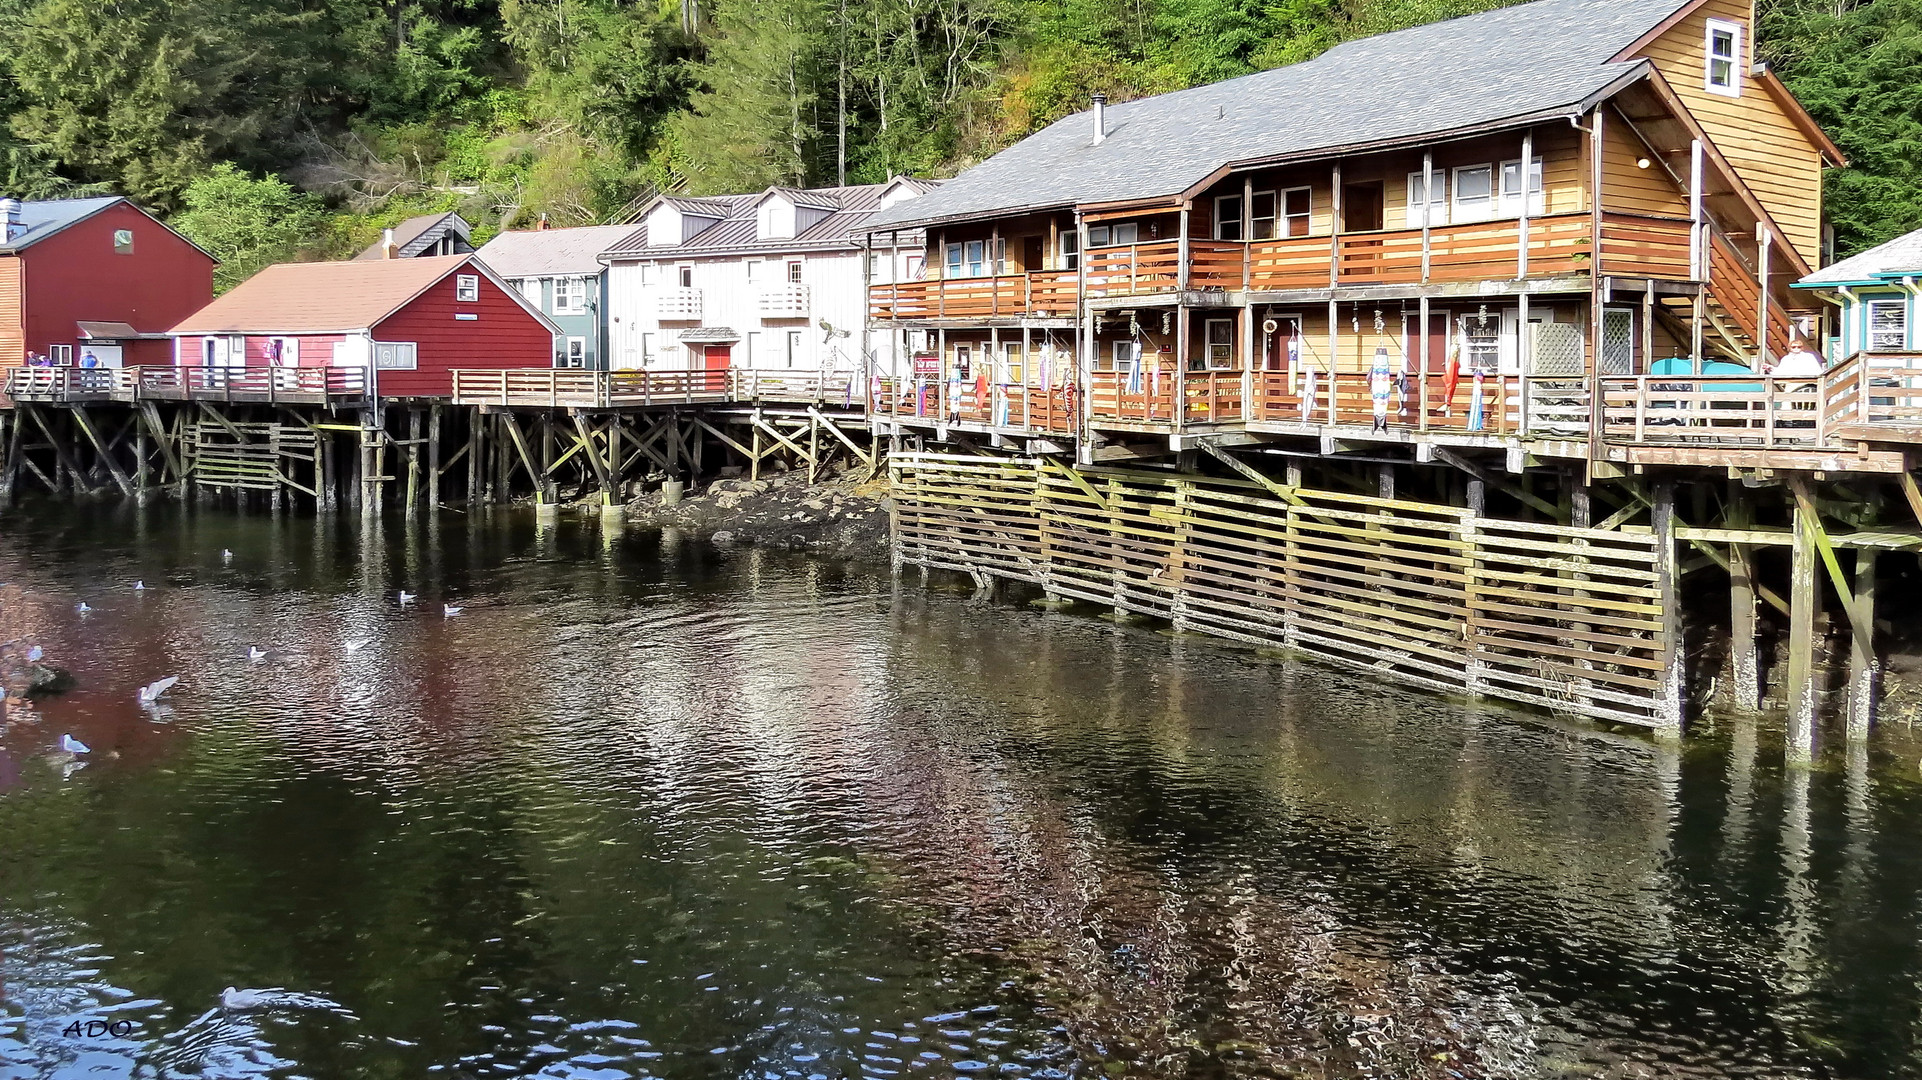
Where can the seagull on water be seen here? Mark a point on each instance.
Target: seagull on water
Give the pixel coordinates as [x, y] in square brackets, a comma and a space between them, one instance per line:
[406, 597]
[256, 655]
[226, 556]
[83, 608]
[34, 654]
[74, 746]
[150, 693]
[448, 611]
[140, 586]
[357, 644]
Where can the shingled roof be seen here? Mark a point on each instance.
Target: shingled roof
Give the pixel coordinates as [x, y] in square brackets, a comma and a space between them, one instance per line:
[552, 252]
[331, 297]
[1900, 257]
[1538, 60]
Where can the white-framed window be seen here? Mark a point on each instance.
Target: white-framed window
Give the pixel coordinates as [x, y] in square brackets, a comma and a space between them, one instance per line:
[647, 349]
[685, 276]
[794, 272]
[647, 273]
[1430, 208]
[1888, 325]
[1127, 356]
[467, 288]
[575, 353]
[1219, 344]
[1228, 217]
[976, 258]
[1070, 250]
[1114, 235]
[1013, 370]
[964, 361]
[62, 355]
[1723, 56]
[1297, 209]
[967, 259]
[1512, 188]
[756, 349]
[753, 271]
[395, 356]
[1474, 198]
[570, 296]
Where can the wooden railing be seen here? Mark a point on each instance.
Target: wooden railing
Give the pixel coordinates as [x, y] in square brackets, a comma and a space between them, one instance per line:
[1134, 269]
[1212, 397]
[844, 388]
[294, 385]
[1732, 284]
[1048, 292]
[1870, 390]
[1143, 397]
[1010, 406]
[1723, 410]
[1493, 405]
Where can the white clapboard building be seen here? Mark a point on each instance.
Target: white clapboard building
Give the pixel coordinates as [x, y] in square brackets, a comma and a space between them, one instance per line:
[771, 281]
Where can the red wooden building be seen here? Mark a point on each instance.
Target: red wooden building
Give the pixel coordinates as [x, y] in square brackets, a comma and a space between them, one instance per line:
[409, 321]
[99, 276]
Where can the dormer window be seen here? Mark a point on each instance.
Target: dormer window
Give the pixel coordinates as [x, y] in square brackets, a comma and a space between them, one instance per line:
[1724, 49]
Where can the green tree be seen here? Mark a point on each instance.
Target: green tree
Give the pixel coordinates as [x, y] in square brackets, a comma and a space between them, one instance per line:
[246, 222]
[753, 120]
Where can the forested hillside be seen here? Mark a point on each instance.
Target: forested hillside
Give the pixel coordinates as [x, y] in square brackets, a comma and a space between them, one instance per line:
[280, 128]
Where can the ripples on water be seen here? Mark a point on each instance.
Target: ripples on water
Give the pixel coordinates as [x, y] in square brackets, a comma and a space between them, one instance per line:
[646, 809]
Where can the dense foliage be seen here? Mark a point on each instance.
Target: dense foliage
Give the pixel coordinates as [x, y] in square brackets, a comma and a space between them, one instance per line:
[274, 128]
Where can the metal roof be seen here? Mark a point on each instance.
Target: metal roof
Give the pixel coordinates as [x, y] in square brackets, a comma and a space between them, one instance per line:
[44, 218]
[1900, 257]
[552, 252]
[1510, 65]
[848, 211]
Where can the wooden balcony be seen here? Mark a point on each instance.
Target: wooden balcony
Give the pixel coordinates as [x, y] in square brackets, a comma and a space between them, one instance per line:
[1045, 294]
[166, 382]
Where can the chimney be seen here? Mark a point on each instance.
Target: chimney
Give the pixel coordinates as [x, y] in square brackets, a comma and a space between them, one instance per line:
[542, 225]
[389, 249]
[1100, 117]
[10, 214]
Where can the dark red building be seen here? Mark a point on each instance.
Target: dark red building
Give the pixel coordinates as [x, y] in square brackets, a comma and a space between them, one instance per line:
[409, 321]
[98, 276]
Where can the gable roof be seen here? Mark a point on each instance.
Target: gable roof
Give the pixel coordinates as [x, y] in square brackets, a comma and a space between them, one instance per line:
[848, 209]
[324, 297]
[1900, 257]
[551, 252]
[46, 217]
[1501, 68]
[417, 234]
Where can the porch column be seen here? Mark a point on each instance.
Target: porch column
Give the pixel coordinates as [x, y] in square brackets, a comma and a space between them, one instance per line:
[1427, 209]
[1521, 223]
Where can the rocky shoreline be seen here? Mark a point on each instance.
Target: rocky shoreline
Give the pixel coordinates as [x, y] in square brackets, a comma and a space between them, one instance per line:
[838, 516]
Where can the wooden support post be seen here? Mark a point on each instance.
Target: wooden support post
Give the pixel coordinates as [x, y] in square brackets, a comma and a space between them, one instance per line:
[476, 422]
[413, 464]
[1804, 595]
[814, 446]
[754, 466]
[9, 475]
[1385, 480]
[1745, 666]
[433, 456]
[1671, 695]
[1476, 674]
[1865, 671]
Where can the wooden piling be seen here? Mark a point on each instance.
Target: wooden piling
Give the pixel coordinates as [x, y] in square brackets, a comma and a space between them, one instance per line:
[433, 456]
[1671, 691]
[1745, 666]
[1865, 671]
[1804, 595]
[413, 463]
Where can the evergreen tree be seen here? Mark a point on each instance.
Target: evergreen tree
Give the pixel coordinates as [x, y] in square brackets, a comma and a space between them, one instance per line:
[752, 122]
[246, 223]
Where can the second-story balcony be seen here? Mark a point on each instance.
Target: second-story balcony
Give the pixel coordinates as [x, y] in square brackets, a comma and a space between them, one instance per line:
[1044, 294]
[678, 303]
[784, 301]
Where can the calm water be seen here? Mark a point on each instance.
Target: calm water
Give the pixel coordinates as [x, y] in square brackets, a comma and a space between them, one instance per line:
[647, 809]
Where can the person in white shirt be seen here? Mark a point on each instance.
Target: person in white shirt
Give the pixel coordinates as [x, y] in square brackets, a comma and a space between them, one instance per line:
[1798, 363]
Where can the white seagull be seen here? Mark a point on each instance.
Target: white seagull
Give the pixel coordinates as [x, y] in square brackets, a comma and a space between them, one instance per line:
[140, 586]
[150, 693]
[83, 608]
[34, 654]
[406, 597]
[256, 655]
[226, 556]
[357, 644]
[448, 611]
[74, 746]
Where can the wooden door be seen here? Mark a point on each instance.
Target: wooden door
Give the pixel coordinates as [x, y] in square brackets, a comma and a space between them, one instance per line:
[1361, 207]
[1031, 254]
[717, 359]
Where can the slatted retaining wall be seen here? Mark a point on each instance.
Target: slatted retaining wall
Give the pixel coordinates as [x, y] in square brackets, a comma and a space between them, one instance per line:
[1564, 618]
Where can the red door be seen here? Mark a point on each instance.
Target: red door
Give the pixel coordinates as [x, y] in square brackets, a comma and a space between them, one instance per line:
[718, 359]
